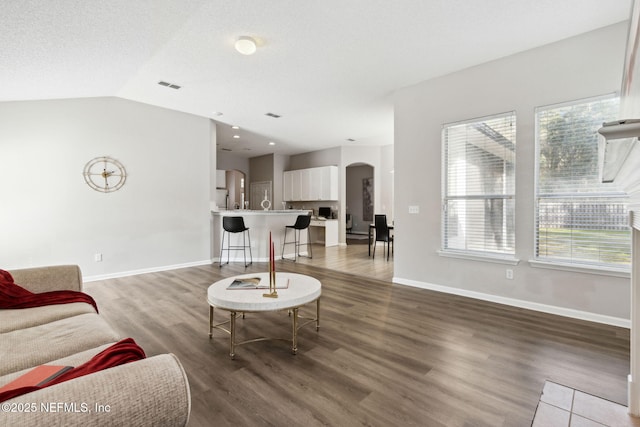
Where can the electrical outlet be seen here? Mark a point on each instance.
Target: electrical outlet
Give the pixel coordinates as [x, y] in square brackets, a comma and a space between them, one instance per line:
[97, 257]
[509, 274]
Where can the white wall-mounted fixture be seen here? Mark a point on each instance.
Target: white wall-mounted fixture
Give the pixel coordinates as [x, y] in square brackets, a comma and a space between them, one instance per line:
[246, 45]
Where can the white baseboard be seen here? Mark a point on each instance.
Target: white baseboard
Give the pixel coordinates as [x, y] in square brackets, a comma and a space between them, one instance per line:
[144, 271]
[551, 309]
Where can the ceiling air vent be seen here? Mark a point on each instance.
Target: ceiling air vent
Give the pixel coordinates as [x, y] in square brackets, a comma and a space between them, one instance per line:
[275, 116]
[226, 149]
[167, 84]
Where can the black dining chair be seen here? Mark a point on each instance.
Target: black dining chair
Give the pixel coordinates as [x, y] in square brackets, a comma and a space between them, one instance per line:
[302, 223]
[235, 224]
[382, 234]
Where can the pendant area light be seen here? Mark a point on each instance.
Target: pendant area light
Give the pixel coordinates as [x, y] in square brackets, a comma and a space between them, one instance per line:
[246, 45]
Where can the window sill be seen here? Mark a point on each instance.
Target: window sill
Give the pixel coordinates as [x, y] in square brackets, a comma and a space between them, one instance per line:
[603, 271]
[485, 258]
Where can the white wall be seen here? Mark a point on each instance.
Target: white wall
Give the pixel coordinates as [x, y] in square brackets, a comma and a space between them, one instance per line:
[48, 214]
[576, 68]
[386, 181]
[229, 161]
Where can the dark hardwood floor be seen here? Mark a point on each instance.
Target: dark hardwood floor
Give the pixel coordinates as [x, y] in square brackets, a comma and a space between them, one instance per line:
[385, 355]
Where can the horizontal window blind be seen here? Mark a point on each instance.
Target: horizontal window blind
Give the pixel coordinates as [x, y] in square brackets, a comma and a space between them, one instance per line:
[479, 185]
[579, 219]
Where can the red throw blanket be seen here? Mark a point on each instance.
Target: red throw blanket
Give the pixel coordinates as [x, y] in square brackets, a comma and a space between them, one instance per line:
[122, 352]
[15, 296]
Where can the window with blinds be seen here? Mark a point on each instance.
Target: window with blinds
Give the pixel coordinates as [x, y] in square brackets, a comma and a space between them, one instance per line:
[579, 219]
[478, 200]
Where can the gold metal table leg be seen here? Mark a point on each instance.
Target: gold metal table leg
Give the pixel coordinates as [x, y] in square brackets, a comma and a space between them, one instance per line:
[210, 321]
[318, 314]
[232, 338]
[294, 348]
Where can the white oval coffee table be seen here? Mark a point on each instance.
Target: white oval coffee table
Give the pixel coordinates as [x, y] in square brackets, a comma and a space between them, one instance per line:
[301, 290]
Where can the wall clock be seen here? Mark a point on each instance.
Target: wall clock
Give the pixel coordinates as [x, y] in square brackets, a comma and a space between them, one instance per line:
[104, 174]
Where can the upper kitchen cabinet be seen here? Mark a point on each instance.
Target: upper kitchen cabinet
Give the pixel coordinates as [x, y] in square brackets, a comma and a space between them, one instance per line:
[311, 184]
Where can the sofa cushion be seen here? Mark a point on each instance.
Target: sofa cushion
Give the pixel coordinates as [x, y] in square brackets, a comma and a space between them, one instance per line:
[153, 391]
[13, 295]
[40, 344]
[52, 278]
[72, 360]
[20, 318]
[124, 351]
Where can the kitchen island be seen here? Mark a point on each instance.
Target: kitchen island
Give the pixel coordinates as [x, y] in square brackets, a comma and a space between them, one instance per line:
[260, 223]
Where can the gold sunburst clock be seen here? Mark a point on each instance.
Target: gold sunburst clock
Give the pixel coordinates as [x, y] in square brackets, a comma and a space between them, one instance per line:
[104, 174]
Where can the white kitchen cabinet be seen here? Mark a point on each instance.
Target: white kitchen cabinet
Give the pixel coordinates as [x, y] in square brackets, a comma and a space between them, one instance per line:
[311, 184]
[306, 192]
[329, 183]
[287, 186]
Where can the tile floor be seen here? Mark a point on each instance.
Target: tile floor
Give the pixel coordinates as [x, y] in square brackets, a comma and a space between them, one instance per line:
[562, 406]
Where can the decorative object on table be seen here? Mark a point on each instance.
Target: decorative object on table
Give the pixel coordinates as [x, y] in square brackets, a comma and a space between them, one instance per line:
[256, 283]
[284, 206]
[367, 199]
[245, 283]
[246, 204]
[272, 271]
[104, 174]
[266, 204]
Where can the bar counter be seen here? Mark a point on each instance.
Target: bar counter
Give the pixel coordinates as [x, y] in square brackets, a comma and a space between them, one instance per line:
[260, 223]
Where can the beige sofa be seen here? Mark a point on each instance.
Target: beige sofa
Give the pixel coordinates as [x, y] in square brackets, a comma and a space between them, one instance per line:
[153, 391]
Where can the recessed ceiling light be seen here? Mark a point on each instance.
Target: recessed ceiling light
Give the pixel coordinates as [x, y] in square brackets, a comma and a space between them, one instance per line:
[272, 143]
[236, 136]
[235, 127]
[246, 45]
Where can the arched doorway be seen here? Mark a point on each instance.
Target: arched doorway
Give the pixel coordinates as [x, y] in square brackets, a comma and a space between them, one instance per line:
[359, 200]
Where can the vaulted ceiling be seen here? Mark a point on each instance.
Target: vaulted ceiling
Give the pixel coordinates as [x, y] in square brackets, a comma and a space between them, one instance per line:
[327, 68]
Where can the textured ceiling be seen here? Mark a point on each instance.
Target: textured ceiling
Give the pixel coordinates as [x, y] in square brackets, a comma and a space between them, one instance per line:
[327, 67]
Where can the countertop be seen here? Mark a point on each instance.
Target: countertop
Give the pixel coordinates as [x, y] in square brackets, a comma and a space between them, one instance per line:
[237, 212]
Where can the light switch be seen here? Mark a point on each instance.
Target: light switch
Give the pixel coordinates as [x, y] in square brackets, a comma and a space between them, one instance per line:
[414, 209]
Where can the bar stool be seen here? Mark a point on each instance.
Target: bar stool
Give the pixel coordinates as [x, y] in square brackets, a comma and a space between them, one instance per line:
[235, 224]
[302, 222]
[382, 234]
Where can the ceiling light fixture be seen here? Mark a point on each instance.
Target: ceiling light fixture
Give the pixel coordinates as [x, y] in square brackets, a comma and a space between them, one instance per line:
[272, 143]
[246, 45]
[236, 136]
[235, 127]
